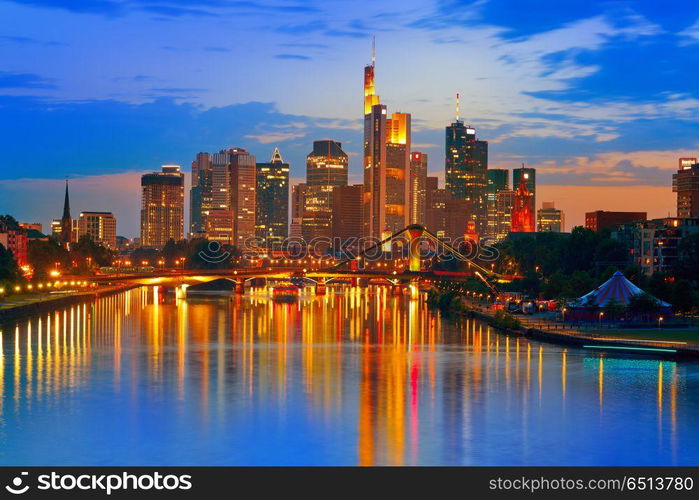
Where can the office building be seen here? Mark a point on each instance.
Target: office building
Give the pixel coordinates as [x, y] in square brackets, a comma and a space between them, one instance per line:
[550, 219]
[201, 193]
[601, 219]
[504, 203]
[653, 244]
[418, 187]
[14, 238]
[466, 164]
[347, 213]
[272, 210]
[234, 179]
[436, 202]
[100, 227]
[326, 168]
[162, 206]
[686, 184]
[387, 140]
[498, 180]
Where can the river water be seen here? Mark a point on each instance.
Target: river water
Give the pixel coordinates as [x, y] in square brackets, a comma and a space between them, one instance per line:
[353, 377]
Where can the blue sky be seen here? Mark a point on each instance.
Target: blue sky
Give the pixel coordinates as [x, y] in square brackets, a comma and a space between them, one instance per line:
[599, 96]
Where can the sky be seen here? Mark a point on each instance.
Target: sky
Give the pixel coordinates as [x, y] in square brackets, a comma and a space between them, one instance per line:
[601, 97]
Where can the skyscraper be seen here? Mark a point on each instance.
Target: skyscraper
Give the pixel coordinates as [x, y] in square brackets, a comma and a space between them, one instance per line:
[272, 211]
[233, 179]
[347, 212]
[397, 172]
[498, 180]
[418, 187]
[523, 207]
[326, 168]
[386, 202]
[686, 184]
[298, 201]
[162, 206]
[435, 207]
[100, 227]
[550, 219]
[504, 201]
[529, 180]
[465, 169]
[201, 195]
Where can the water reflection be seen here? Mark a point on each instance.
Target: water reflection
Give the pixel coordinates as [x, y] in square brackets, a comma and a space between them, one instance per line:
[357, 376]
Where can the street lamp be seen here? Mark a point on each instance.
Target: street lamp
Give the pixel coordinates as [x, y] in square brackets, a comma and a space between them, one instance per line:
[601, 315]
[660, 320]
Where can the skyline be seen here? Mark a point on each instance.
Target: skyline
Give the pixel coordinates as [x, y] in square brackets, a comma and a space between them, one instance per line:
[629, 140]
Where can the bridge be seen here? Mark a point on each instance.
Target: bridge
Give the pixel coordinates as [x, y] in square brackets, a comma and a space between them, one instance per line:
[351, 268]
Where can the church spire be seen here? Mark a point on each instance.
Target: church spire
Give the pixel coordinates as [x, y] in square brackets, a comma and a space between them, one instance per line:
[66, 204]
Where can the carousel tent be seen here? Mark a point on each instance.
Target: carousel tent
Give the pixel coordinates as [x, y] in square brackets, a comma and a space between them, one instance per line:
[616, 288]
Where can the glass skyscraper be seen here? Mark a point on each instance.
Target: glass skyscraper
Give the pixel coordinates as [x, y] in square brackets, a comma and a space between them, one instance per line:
[272, 216]
[465, 170]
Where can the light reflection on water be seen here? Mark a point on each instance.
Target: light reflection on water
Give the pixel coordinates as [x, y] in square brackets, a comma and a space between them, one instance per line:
[354, 377]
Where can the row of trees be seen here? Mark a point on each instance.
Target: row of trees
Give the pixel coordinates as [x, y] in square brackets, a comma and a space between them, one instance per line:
[563, 267]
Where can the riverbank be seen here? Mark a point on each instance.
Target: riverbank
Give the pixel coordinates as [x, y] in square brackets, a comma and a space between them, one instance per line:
[46, 303]
[563, 335]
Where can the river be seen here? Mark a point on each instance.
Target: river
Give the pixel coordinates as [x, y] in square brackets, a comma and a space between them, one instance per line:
[355, 377]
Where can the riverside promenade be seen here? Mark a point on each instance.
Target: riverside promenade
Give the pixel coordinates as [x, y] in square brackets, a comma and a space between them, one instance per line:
[25, 305]
[545, 330]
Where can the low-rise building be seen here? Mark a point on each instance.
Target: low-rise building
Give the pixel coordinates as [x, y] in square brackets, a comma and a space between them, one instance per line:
[653, 244]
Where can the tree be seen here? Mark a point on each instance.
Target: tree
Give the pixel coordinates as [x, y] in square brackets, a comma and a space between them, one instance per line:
[613, 309]
[44, 256]
[9, 270]
[687, 264]
[684, 298]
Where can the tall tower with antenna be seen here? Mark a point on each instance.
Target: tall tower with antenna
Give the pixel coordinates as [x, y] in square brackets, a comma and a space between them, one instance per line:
[466, 165]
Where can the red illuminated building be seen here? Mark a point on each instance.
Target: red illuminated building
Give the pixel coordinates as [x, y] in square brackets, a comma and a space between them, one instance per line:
[523, 220]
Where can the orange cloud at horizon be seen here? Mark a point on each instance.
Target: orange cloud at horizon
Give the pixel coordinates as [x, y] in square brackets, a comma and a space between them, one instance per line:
[658, 201]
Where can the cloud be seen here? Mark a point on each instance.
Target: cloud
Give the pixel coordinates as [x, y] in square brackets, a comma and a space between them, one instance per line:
[169, 8]
[297, 57]
[24, 40]
[24, 81]
[274, 137]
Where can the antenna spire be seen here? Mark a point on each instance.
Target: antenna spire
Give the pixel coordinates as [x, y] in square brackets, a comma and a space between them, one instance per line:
[457, 106]
[373, 50]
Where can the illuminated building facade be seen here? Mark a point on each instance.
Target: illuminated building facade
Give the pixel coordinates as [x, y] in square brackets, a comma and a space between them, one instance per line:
[601, 219]
[386, 199]
[653, 244]
[523, 208]
[234, 179]
[347, 212]
[465, 170]
[100, 227]
[686, 184]
[498, 180]
[436, 202]
[162, 206]
[397, 172]
[418, 187]
[201, 193]
[326, 168]
[14, 238]
[504, 203]
[298, 201]
[550, 219]
[529, 180]
[272, 219]
[218, 224]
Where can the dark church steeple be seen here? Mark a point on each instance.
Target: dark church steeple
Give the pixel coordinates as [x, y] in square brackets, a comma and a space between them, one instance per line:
[66, 221]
